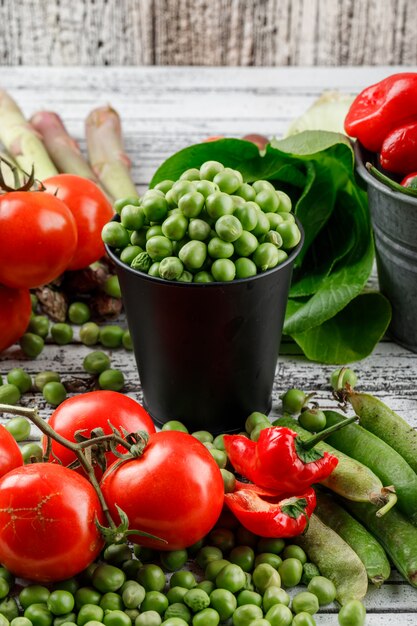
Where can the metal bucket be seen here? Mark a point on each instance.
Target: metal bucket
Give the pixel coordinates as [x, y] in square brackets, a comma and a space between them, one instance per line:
[394, 221]
[206, 353]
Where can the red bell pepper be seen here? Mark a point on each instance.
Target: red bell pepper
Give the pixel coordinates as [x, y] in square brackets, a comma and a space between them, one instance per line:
[280, 459]
[410, 181]
[268, 514]
[381, 108]
[399, 149]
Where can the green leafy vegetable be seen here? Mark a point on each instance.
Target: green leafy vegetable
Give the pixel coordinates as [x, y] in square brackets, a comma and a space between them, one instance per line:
[327, 314]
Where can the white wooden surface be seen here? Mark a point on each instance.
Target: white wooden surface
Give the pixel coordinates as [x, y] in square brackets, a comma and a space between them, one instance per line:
[165, 109]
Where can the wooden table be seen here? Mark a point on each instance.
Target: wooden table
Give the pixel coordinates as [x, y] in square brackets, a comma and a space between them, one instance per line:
[164, 110]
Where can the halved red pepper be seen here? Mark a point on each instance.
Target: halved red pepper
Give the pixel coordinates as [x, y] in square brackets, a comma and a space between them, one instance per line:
[399, 149]
[381, 108]
[268, 514]
[281, 459]
[410, 181]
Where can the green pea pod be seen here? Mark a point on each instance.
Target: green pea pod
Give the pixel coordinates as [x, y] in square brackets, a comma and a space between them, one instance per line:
[387, 464]
[355, 534]
[383, 422]
[335, 559]
[394, 532]
[349, 479]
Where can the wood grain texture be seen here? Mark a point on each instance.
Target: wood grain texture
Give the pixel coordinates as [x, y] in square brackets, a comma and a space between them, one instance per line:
[208, 32]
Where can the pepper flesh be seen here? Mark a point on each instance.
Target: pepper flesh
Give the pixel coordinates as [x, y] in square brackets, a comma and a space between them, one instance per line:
[275, 460]
[399, 149]
[410, 181]
[382, 107]
[268, 514]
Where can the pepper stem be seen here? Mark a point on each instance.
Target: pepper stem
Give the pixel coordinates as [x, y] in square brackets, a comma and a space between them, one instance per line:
[308, 444]
[391, 496]
[386, 180]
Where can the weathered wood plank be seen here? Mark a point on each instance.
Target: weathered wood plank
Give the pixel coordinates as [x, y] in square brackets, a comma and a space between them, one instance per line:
[219, 32]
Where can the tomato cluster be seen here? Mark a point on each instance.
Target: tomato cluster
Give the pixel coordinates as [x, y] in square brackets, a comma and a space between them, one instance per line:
[42, 234]
[48, 512]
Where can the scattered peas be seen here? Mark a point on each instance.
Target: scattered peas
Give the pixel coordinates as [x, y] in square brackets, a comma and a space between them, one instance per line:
[54, 393]
[127, 340]
[19, 428]
[9, 394]
[31, 344]
[111, 336]
[89, 333]
[39, 325]
[78, 313]
[46, 377]
[62, 333]
[353, 613]
[31, 451]
[111, 379]
[96, 362]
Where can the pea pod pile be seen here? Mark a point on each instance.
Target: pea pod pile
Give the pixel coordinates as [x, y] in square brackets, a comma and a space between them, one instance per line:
[208, 226]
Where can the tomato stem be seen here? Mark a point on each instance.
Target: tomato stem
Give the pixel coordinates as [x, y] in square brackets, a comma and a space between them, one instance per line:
[77, 448]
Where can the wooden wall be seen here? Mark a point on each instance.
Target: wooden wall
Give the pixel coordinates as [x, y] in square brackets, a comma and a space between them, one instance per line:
[208, 32]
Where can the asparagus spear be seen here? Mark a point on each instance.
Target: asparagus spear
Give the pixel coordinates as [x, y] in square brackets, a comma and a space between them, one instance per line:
[106, 153]
[22, 141]
[63, 149]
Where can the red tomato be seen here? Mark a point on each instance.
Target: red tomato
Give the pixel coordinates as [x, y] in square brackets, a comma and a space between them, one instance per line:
[92, 410]
[38, 237]
[15, 310]
[91, 211]
[47, 522]
[173, 491]
[10, 455]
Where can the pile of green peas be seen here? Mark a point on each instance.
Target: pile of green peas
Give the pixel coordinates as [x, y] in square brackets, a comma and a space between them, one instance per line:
[62, 333]
[98, 364]
[208, 226]
[230, 577]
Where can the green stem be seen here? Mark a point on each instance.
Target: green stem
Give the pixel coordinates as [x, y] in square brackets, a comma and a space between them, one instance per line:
[386, 180]
[33, 416]
[308, 444]
[391, 501]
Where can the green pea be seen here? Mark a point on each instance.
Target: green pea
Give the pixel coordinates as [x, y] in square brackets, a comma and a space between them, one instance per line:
[148, 618]
[116, 553]
[142, 262]
[257, 431]
[116, 617]
[122, 202]
[224, 602]
[129, 253]
[60, 602]
[171, 268]
[274, 595]
[223, 270]
[295, 552]
[245, 268]
[59, 620]
[244, 556]
[293, 401]
[285, 204]
[203, 277]
[268, 557]
[214, 567]
[228, 228]
[219, 249]
[309, 572]
[39, 614]
[154, 269]
[111, 336]
[222, 538]
[229, 480]
[155, 601]
[279, 615]
[70, 584]
[246, 191]
[175, 595]
[275, 219]
[46, 377]
[158, 247]
[254, 419]
[198, 229]
[196, 599]
[353, 613]
[193, 254]
[115, 235]
[54, 393]
[9, 394]
[338, 380]
[220, 457]
[175, 425]
[264, 576]
[206, 617]
[20, 621]
[112, 287]
[207, 554]
[203, 436]
[133, 595]
[9, 608]
[62, 333]
[262, 224]
[178, 610]
[231, 577]
[265, 256]
[209, 169]
[31, 452]
[96, 362]
[227, 180]
[246, 614]
[267, 200]
[164, 185]
[305, 602]
[86, 595]
[17, 376]
[260, 185]
[31, 344]
[152, 577]
[39, 325]
[4, 588]
[185, 277]
[323, 588]
[19, 428]
[88, 613]
[155, 207]
[175, 226]
[111, 379]
[247, 596]
[180, 189]
[219, 204]
[290, 234]
[127, 342]
[138, 239]
[108, 578]
[247, 215]
[290, 571]
[89, 333]
[132, 217]
[173, 560]
[191, 204]
[246, 244]
[287, 217]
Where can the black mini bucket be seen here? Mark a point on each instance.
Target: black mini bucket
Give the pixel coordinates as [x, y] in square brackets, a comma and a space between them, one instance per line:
[394, 222]
[206, 353]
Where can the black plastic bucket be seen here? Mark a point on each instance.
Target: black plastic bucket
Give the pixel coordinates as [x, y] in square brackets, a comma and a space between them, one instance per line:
[206, 353]
[394, 222]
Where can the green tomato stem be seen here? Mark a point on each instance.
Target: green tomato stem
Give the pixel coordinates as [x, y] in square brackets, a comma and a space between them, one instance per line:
[309, 443]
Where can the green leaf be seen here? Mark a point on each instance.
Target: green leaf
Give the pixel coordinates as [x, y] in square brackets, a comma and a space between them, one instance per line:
[351, 335]
[310, 142]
